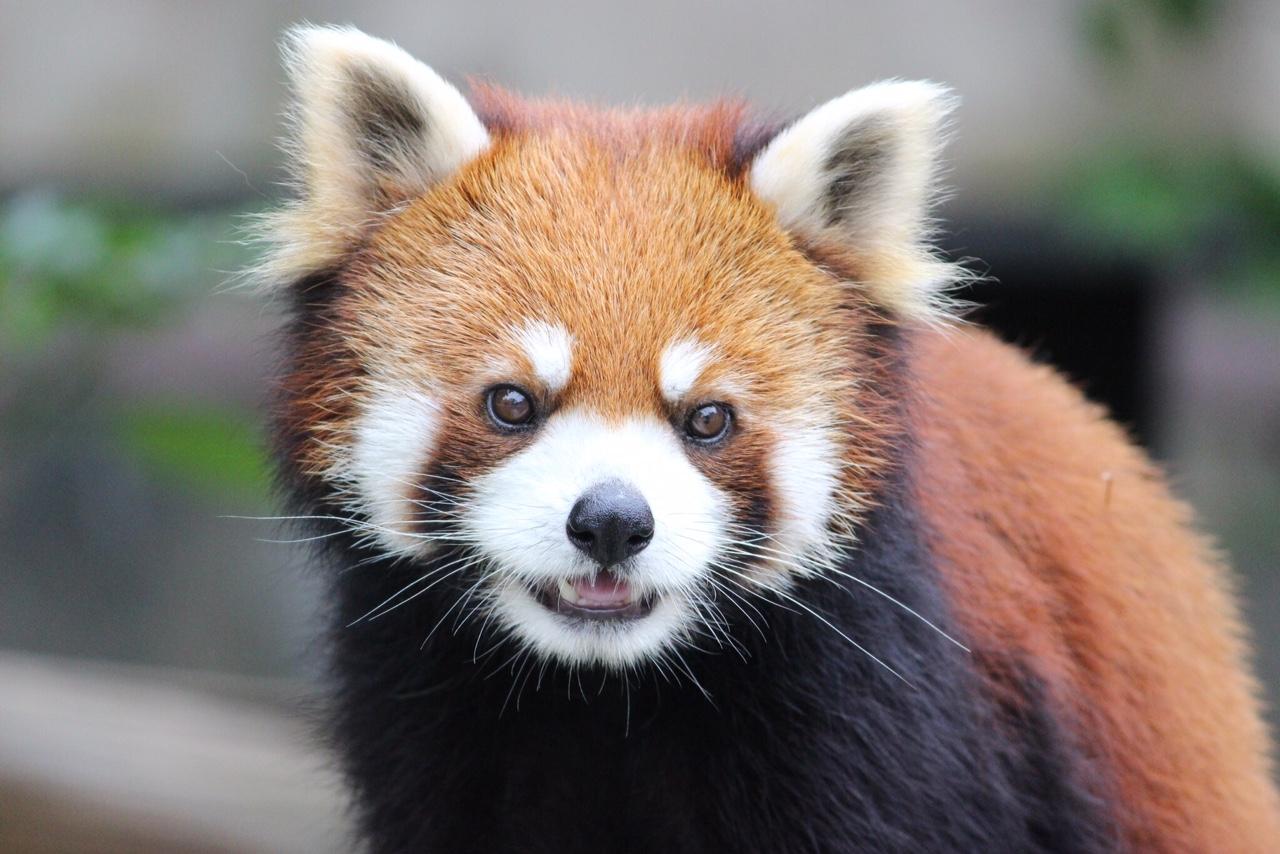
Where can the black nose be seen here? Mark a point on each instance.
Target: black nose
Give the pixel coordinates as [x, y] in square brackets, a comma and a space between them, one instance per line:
[610, 522]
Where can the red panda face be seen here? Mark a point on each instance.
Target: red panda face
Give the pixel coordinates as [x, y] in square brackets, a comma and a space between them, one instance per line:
[583, 359]
[564, 321]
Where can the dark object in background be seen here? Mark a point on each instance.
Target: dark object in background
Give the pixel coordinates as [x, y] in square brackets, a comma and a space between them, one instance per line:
[1090, 315]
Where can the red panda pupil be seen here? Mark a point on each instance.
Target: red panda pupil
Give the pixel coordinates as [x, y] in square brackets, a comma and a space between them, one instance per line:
[509, 406]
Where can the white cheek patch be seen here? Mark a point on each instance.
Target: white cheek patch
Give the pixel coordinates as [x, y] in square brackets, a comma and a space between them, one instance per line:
[805, 470]
[393, 439]
[549, 348]
[517, 518]
[681, 365]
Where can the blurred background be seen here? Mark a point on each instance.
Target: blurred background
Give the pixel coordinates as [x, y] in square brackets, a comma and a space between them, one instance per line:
[1116, 172]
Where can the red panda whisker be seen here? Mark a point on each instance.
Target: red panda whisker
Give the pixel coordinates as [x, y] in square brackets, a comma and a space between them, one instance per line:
[522, 650]
[409, 599]
[305, 518]
[297, 540]
[528, 671]
[439, 504]
[707, 617]
[443, 496]
[516, 678]
[484, 624]
[347, 521]
[660, 669]
[464, 616]
[376, 611]
[740, 603]
[499, 642]
[361, 527]
[718, 625]
[701, 628]
[445, 477]
[759, 591]
[900, 604]
[799, 604]
[460, 599]
[684, 666]
[546, 662]
[484, 603]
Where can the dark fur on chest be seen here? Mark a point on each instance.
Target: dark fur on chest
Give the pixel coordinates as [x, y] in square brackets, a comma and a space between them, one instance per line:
[806, 744]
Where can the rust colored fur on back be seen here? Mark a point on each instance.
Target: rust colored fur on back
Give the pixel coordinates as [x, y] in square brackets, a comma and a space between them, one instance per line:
[1061, 547]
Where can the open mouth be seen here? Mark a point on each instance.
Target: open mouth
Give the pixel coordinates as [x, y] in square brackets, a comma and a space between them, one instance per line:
[603, 597]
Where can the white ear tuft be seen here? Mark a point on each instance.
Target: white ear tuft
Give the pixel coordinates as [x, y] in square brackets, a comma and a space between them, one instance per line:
[371, 127]
[860, 170]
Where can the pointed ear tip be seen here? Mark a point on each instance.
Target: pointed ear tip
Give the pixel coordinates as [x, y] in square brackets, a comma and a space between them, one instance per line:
[911, 104]
[302, 43]
[942, 97]
[936, 98]
[304, 35]
[325, 42]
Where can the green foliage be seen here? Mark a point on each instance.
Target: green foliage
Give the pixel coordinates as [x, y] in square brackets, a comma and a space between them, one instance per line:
[212, 449]
[99, 266]
[1136, 200]
[1104, 30]
[1217, 211]
[76, 275]
[1108, 25]
[1214, 208]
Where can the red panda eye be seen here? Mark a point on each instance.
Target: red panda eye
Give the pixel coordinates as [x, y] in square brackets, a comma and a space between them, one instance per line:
[708, 422]
[509, 406]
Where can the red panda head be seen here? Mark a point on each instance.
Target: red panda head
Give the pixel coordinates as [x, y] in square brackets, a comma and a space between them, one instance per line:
[617, 367]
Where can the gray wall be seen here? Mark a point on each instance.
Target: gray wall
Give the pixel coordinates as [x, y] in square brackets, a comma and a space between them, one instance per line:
[146, 94]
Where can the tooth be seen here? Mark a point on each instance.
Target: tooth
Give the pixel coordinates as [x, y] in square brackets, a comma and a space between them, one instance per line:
[567, 592]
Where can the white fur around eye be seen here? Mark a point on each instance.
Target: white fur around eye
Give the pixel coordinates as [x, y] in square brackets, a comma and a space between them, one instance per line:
[681, 365]
[549, 349]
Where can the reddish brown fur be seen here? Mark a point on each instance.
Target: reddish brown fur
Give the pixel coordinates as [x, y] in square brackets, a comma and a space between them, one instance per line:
[1061, 545]
[585, 226]
[586, 218]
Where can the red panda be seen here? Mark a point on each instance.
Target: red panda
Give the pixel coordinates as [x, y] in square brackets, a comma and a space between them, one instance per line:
[668, 509]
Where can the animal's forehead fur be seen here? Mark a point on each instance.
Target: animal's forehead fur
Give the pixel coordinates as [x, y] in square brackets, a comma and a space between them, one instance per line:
[631, 231]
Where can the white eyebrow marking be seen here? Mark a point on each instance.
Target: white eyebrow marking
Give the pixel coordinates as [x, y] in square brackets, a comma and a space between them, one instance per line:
[681, 365]
[549, 348]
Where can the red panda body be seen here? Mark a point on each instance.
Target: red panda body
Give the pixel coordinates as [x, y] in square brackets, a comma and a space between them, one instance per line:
[1059, 543]
[668, 512]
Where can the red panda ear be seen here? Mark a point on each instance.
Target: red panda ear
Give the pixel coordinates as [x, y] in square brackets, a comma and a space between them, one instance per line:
[859, 171]
[370, 127]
